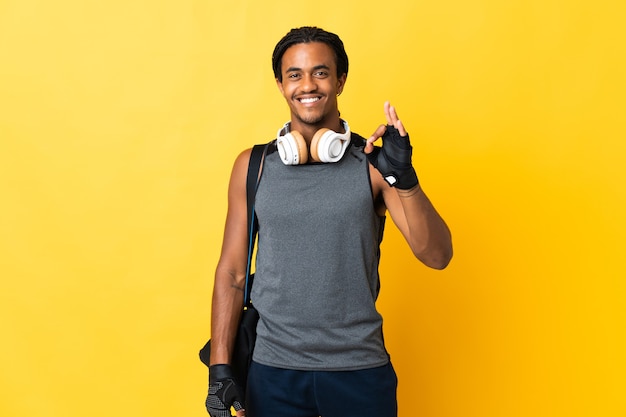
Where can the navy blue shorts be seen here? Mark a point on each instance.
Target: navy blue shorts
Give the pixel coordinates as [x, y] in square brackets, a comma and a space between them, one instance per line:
[276, 392]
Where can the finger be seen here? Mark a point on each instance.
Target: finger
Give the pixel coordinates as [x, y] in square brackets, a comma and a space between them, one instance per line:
[393, 116]
[393, 119]
[401, 128]
[378, 133]
[241, 413]
[388, 113]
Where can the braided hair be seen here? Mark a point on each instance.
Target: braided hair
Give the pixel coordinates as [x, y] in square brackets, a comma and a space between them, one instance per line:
[307, 34]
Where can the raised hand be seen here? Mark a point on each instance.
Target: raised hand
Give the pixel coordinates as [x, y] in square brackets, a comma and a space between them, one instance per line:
[393, 159]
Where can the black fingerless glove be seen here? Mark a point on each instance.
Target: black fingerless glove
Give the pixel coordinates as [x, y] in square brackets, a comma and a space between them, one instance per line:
[223, 392]
[393, 160]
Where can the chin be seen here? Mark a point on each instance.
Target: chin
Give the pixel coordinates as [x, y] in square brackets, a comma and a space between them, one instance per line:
[310, 119]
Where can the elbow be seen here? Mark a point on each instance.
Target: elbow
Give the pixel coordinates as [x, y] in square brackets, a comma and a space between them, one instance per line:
[436, 259]
[230, 278]
[441, 263]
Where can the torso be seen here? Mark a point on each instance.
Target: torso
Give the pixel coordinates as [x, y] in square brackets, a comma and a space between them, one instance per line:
[316, 279]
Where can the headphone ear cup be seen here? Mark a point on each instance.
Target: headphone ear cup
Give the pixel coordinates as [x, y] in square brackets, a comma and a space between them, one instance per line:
[292, 148]
[315, 143]
[327, 146]
[301, 146]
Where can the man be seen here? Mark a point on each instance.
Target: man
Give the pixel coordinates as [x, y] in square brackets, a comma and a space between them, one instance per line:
[319, 348]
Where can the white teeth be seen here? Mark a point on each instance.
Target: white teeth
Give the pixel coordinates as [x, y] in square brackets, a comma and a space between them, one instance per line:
[309, 100]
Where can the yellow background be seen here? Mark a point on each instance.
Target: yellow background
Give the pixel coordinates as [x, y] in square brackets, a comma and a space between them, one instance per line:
[119, 122]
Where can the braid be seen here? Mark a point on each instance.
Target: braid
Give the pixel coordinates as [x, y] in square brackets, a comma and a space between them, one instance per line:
[308, 34]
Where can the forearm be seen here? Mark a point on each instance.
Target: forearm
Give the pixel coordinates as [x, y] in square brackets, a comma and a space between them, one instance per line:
[428, 235]
[226, 310]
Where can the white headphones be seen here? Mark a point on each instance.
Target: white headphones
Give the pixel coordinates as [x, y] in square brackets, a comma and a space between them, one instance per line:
[326, 145]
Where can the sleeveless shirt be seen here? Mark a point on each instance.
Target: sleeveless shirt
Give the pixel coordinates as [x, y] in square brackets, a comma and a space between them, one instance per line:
[316, 278]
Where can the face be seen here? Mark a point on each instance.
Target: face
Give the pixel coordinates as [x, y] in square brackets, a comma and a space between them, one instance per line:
[310, 84]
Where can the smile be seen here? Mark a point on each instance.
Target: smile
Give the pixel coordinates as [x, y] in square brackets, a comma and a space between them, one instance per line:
[308, 100]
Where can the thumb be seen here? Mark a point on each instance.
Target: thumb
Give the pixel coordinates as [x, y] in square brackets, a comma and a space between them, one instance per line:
[369, 147]
[378, 133]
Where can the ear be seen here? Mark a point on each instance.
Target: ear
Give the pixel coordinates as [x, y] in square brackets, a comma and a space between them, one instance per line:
[279, 84]
[341, 82]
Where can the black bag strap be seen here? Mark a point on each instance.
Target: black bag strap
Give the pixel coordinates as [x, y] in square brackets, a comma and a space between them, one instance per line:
[252, 182]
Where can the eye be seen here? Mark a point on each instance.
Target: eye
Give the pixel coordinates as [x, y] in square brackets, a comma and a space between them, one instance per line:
[321, 74]
[293, 76]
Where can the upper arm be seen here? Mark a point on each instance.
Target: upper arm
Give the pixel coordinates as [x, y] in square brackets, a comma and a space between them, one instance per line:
[234, 254]
[386, 199]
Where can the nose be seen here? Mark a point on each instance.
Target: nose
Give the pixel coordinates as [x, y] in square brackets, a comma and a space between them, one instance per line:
[309, 83]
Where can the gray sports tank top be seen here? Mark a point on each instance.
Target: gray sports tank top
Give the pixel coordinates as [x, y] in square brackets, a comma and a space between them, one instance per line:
[316, 280]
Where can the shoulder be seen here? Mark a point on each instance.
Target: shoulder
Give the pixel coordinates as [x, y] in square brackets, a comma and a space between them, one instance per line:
[240, 171]
[242, 160]
[357, 140]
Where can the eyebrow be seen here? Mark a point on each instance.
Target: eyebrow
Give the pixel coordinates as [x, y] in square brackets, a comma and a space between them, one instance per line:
[315, 68]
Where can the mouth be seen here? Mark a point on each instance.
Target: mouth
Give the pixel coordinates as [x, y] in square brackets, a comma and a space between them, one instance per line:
[308, 100]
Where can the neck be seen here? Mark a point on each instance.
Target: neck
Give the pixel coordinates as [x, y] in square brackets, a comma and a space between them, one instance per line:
[308, 130]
